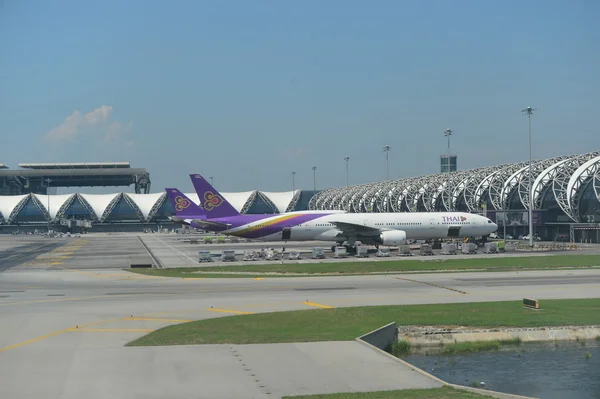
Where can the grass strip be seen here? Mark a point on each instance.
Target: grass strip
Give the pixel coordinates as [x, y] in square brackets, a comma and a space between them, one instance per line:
[344, 324]
[491, 263]
[433, 393]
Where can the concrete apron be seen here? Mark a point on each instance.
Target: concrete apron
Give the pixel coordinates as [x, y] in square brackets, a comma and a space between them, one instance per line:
[443, 337]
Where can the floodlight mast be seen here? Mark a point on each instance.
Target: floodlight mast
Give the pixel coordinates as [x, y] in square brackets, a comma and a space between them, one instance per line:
[529, 111]
[347, 158]
[448, 132]
[387, 149]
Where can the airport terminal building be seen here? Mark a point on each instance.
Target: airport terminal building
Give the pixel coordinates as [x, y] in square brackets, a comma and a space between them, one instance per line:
[565, 200]
[27, 202]
[566, 197]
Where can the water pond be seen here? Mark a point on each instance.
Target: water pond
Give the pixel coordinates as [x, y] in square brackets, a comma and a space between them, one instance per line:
[566, 370]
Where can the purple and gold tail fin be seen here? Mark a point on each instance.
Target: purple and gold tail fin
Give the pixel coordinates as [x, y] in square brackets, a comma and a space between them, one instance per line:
[183, 206]
[211, 201]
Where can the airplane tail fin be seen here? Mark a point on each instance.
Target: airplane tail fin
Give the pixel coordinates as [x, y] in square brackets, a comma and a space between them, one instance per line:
[184, 207]
[212, 202]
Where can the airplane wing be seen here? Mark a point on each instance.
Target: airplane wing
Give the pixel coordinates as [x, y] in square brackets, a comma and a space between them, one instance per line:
[208, 225]
[202, 223]
[354, 229]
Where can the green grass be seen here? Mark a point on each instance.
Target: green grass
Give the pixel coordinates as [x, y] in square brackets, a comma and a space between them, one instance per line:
[400, 347]
[344, 324]
[598, 338]
[435, 393]
[478, 346]
[491, 263]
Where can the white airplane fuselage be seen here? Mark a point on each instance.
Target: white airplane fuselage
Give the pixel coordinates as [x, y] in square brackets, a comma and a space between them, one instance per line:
[415, 225]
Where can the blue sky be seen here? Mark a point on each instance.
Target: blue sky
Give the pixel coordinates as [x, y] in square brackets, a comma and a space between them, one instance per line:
[249, 91]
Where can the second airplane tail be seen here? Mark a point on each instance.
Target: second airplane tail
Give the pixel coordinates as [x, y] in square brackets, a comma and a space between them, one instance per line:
[211, 200]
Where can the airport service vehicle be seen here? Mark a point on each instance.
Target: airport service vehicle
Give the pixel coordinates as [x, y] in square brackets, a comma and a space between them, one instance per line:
[388, 229]
[204, 256]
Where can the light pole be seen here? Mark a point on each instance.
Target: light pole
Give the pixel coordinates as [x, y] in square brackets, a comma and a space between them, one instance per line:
[48, 197]
[314, 168]
[346, 158]
[448, 133]
[293, 181]
[387, 149]
[529, 111]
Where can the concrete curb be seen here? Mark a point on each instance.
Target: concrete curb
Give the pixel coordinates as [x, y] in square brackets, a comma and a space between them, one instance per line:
[377, 332]
[525, 335]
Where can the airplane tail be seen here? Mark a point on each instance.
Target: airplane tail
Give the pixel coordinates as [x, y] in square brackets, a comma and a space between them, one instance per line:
[212, 202]
[184, 207]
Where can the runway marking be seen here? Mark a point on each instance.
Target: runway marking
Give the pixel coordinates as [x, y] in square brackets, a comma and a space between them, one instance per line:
[228, 311]
[317, 305]
[157, 319]
[52, 334]
[432, 284]
[220, 290]
[58, 300]
[30, 341]
[109, 330]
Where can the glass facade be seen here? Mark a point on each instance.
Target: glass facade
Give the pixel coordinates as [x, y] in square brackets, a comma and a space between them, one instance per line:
[448, 162]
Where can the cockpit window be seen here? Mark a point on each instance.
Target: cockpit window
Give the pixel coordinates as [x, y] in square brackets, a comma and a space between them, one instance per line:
[489, 221]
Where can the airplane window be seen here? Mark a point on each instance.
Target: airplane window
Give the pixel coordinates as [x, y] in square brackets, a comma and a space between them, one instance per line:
[489, 221]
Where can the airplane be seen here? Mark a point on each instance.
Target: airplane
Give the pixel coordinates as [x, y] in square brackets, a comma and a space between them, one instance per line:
[388, 229]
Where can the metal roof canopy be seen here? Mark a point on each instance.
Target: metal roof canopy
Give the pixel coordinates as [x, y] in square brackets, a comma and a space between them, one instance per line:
[77, 165]
[110, 177]
[66, 173]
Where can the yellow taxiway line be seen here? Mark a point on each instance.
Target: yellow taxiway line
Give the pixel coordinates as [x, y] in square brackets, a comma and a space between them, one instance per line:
[157, 319]
[109, 330]
[228, 311]
[318, 305]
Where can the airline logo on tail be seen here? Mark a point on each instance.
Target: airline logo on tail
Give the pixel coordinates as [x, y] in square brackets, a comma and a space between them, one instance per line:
[181, 203]
[212, 200]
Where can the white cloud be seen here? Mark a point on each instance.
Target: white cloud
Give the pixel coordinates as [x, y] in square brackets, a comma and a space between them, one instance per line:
[78, 123]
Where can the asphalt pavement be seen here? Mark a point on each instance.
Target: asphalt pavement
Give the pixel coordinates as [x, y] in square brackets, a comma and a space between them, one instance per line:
[68, 312]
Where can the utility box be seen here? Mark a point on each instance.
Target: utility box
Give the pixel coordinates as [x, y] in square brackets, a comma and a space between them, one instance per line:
[491, 248]
[362, 251]
[204, 256]
[448, 249]
[425, 250]
[318, 253]
[340, 252]
[501, 246]
[469, 248]
[228, 255]
[404, 250]
[383, 252]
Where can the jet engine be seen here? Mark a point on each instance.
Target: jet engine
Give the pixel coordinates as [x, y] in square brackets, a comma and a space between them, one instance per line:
[392, 238]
